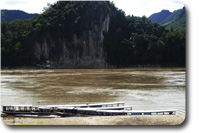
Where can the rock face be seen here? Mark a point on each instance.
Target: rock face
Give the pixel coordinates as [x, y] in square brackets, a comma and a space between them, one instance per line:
[83, 51]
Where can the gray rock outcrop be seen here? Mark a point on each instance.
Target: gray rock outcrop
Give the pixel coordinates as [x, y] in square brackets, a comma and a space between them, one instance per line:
[83, 51]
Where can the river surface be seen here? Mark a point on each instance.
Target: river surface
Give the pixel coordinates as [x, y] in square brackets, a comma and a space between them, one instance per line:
[144, 88]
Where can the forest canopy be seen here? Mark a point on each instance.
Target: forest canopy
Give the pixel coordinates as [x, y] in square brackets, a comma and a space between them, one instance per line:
[130, 41]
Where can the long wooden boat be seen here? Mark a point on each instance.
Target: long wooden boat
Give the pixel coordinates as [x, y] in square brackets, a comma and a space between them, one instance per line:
[51, 109]
[99, 109]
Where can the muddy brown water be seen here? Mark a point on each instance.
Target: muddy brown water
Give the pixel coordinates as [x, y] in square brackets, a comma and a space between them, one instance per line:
[144, 88]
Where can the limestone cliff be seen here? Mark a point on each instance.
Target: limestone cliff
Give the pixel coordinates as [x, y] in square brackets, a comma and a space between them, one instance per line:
[92, 34]
[84, 51]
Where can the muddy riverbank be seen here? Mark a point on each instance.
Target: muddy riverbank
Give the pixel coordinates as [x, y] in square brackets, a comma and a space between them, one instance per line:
[99, 120]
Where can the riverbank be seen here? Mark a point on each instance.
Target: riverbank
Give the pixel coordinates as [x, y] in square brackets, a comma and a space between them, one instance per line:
[91, 67]
[99, 120]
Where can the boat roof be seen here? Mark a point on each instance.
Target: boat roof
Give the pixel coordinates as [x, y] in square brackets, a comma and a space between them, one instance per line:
[92, 104]
[94, 109]
[63, 105]
[135, 111]
[152, 111]
[111, 103]
[104, 108]
[81, 105]
[77, 105]
[111, 111]
[66, 108]
[20, 105]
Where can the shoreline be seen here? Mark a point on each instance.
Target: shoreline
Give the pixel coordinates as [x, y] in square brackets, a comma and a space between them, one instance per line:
[148, 68]
[95, 67]
[99, 120]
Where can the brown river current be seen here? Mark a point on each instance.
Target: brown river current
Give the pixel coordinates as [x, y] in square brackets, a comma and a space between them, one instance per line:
[144, 88]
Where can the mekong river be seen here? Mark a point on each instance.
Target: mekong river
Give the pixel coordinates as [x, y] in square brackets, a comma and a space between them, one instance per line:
[144, 88]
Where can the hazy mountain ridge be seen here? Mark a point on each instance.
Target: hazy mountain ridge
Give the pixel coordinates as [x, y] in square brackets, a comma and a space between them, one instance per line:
[10, 15]
[160, 16]
[176, 19]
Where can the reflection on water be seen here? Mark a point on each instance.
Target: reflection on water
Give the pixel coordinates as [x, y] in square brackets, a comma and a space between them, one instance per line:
[145, 88]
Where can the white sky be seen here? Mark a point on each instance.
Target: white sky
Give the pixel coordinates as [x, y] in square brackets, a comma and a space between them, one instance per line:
[147, 7]
[135, 7]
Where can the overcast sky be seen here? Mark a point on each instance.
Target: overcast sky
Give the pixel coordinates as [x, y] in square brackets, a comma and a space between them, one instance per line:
[135, 7]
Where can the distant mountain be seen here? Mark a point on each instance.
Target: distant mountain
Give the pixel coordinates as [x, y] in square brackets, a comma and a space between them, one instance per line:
[176, 19]
[160, 17]
[10, 15]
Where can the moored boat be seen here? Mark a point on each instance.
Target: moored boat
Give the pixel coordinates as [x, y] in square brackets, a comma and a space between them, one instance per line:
[99, 109]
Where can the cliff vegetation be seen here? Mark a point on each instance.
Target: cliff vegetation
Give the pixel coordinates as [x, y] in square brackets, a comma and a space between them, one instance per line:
[94, 34]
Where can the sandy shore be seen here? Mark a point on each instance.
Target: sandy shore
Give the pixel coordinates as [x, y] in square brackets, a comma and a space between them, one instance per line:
[100, 120]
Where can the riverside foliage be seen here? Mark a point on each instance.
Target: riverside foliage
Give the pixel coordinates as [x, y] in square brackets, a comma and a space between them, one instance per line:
[130, 41]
